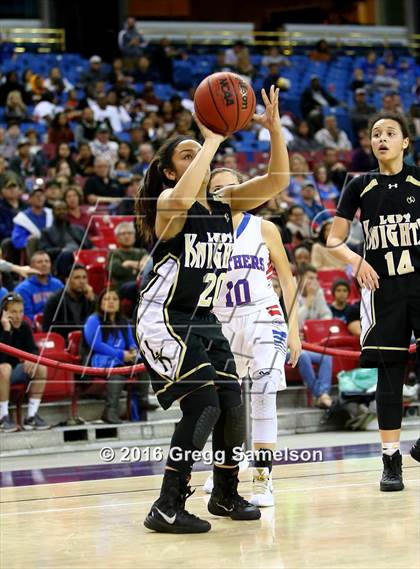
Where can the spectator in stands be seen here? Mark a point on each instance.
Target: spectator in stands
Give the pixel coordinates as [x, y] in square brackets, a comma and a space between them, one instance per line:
[62, 239]
[10, 205]
[312, 306]
[383, 81]
[37, 87]
[312, 101]
[28, 224]
[221, 64]
[95, 73]
[337, 171]
[119, 75]
[63, 154]
[46, 109]
[36, 290]
[363, 159]
[327, 190]
[60, 130]
[87, 127]
[309, 202]
[35, 148]
[113, 114]
[332, 136]
[73, 198]
[11, 139]
[297, 223]
[24, 164]
[109, 343]
[56, 83]
[144, 157]
[101, 185]
[390, 63]
[130, 40]
[125, 264]
[244, 67]
[303, 140]
[370, 64]
[64, 176]
[53, 192]
[144, 72]
[127, 205]
[358, 80]
[15, 109]
[67, 310]
[361, 111]
[274, 56]
[232, 53]
[341, 309]
[299, 175]
[17, 333]
[321, 255]
[301, 257]
[125, 152]
[12, 83]
[149, 101]
[166, 115]
[103, 147]
[322, 52]
[85, 160]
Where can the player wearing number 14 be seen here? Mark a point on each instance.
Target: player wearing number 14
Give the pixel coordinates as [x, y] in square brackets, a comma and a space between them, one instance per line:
[389, 202]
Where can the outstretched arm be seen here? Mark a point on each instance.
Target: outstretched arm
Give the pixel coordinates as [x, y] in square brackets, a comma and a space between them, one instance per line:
[257, 191]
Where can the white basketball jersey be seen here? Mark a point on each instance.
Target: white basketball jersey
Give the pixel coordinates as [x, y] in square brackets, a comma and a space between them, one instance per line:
[247, 284]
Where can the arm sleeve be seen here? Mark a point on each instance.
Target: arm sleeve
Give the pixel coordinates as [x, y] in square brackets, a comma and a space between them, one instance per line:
[93, 336]
[350, 200]
[19, 237]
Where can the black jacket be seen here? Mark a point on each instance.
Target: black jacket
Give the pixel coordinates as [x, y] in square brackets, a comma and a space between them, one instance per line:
[57, 237]
[59, 315]
[21, 338]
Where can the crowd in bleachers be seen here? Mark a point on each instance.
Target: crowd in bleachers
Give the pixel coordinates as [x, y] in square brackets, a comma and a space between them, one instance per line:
[77, 136]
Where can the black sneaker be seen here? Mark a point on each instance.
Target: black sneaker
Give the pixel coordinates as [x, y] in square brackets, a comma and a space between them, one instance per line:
[415, 450]
[225, 500]
[392, 480]
[7, 425]
[168, 513]
[36, 423]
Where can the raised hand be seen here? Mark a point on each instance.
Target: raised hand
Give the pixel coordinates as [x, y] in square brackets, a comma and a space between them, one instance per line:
[270, 119]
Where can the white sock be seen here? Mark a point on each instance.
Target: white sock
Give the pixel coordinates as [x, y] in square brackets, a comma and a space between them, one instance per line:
[4, 408]
[390, 448]
[33, 407]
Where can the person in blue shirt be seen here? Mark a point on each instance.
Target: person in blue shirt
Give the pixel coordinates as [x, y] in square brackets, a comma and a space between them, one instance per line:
[312, 208]
[109, 342]
[36, 290]
[31, 221]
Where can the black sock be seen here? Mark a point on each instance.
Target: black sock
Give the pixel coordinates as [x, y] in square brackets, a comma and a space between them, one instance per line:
[263, 458]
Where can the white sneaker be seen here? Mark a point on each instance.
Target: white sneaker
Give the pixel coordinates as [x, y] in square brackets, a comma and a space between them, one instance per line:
[262, 489]
[208, 484]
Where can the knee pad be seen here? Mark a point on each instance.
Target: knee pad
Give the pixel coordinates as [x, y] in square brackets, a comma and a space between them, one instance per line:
[235, 426]
[264, 394]
[204, 426]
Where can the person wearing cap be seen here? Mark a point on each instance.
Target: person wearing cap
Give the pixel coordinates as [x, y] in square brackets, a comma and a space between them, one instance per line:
[341, 309]
[30, 222]
[102, 147]
[24, 164]
[361, 111]
[10, 205]
[17, 333]
[96, 72]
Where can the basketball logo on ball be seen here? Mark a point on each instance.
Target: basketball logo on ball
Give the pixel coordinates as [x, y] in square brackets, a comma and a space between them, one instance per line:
[224, 102]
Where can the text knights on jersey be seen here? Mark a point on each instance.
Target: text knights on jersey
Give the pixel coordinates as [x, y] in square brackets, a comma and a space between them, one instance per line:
[393, 231]
[212, 254]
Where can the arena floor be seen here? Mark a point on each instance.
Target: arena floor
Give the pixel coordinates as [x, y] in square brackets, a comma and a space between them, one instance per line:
[328, 514]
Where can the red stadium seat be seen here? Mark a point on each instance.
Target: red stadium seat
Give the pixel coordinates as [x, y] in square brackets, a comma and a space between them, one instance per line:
[60, 383]
[91, 256]
[38, 318]
[49, 341]
[73, 343]
[97, 277]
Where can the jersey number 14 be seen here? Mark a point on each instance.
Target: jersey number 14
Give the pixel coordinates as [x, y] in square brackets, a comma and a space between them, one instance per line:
[404, 266]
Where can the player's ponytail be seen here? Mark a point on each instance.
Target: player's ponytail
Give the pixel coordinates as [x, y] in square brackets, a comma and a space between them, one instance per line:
[153, 185]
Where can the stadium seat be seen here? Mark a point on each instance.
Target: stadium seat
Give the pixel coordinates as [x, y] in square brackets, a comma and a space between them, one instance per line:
[97, 277]
[60, 382]
[38, 322]
[49, 341]
[91, 256]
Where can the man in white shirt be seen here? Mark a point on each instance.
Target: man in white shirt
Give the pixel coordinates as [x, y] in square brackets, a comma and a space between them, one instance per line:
[331, 136]
[102, 147]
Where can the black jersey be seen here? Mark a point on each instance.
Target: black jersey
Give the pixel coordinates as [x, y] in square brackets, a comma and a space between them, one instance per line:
[188, 269]
[390, 216]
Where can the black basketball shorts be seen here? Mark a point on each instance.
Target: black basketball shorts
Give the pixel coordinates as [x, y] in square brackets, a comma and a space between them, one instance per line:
[183, 353]
[389, 317]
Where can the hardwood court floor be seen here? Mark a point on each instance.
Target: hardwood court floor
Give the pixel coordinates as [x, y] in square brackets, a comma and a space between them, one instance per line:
[327, 515]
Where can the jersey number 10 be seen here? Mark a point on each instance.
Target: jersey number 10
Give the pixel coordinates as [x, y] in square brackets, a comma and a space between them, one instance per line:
[404, 266]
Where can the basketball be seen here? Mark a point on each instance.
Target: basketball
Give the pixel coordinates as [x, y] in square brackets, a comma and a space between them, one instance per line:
[224, 102]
